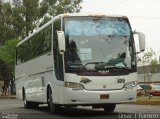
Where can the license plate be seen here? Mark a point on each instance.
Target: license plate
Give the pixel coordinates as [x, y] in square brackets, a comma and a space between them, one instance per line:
[104, 96]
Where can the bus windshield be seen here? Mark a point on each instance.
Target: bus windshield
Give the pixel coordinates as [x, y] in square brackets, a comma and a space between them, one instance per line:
[98, 43]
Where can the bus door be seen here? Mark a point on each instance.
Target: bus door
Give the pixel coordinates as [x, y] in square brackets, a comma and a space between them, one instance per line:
[59, 76]
[58, 61]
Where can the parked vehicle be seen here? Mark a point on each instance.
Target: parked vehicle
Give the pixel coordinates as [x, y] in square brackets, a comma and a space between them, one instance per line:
[155, 91]
[140, 91]
[146, 88]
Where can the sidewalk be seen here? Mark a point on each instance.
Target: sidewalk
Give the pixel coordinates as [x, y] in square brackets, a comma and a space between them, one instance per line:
[8, 97]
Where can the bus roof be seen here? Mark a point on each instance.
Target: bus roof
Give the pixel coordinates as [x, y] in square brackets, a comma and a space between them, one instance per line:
[90, 14]
[67, 15]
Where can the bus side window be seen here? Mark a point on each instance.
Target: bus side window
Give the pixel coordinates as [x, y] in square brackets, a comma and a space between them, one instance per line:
[47, 40]
[19, 55]
[58, 62]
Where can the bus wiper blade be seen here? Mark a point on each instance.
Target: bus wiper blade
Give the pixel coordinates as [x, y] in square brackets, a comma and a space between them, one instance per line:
[117, 67]
[90, 63]
[75, 65]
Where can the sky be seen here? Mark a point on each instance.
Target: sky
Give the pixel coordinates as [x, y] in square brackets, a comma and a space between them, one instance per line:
[143, 15]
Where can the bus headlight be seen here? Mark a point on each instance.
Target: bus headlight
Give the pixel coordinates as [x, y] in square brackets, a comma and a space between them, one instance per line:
[130, 85]
[75, 86]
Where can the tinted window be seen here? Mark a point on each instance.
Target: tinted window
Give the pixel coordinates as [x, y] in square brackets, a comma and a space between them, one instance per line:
[37, 45]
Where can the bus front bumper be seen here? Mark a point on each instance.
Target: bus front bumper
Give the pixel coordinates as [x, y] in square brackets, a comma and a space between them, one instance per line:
[82, 97]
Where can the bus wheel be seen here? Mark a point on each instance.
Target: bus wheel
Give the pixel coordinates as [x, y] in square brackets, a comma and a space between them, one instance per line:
[109, 107]
[26, 103]
[54, 108]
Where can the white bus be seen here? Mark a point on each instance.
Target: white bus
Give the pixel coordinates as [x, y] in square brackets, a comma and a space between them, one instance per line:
[78, 60]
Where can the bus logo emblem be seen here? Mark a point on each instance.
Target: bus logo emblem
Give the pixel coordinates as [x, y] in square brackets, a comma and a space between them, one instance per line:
[104, 72]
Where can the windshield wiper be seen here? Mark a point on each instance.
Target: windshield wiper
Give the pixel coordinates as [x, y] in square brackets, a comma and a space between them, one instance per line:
[111, 65]
[117, 67]
[75, 65]
[84, 66]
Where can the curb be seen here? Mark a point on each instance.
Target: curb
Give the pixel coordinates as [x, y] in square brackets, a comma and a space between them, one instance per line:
[146, 102]
[8, 97]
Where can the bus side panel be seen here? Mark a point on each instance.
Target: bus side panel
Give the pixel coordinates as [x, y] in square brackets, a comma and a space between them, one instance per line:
[37, 72]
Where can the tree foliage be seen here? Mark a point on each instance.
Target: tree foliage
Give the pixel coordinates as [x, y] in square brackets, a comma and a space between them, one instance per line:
[149, 58]
[154, 66]
[19, 20]
[4, 71]
[7, 61]
[7, 54]
[6, 26]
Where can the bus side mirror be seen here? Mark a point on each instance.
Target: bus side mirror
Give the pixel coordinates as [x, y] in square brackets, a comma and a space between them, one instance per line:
[142, 42]
[61, 41]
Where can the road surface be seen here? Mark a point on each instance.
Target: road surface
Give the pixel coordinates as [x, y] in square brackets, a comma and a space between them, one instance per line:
[13, 109]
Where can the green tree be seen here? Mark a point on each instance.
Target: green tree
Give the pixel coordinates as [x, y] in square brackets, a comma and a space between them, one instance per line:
[154, 66]
[32, 14]
[150, 65]
[7, 54]
[6, 27]
[4, 73]
[7, 62]
[55, 7]
[19, 20]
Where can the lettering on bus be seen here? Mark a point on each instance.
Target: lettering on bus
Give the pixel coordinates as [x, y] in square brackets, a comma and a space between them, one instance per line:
[103, 72]
[120, 80]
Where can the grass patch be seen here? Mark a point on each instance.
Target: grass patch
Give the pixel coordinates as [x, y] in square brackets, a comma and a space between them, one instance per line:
[146, 100]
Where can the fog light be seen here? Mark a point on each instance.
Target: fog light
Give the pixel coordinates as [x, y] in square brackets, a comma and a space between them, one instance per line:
[76, 86]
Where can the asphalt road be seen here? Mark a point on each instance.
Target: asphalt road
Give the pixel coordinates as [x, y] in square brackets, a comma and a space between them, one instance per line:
[13, 109]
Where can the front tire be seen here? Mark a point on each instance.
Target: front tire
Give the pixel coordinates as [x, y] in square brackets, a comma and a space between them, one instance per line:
[28, 104]
[54, 108]
[109, 107]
